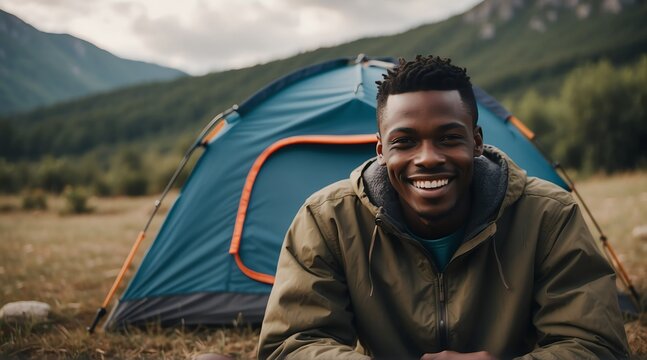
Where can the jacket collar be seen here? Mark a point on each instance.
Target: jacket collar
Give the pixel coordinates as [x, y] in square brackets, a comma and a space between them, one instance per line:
[497, 183]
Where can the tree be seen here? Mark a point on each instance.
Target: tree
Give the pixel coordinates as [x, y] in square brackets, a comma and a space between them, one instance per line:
[608, 112]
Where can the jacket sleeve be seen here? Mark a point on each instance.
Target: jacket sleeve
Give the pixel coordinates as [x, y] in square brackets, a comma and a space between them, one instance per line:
[309, 313]
[576, 307]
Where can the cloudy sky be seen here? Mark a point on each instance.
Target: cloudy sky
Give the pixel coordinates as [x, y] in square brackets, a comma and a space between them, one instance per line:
[198, 36]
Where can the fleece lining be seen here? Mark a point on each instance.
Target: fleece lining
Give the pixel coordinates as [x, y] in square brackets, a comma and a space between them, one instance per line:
[489, 186]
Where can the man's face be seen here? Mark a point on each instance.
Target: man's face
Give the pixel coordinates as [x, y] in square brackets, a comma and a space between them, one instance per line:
[428, 143]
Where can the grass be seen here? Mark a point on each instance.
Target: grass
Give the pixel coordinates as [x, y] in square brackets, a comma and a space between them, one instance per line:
[70, 261]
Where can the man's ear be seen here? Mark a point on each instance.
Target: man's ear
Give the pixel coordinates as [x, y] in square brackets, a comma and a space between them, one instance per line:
[378, 150]
[478, 141]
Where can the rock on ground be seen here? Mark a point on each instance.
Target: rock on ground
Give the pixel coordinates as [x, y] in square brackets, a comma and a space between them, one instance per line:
[640, 232]
[22, 311]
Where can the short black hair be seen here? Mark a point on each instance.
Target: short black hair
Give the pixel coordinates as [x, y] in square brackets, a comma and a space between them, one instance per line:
[426, 73]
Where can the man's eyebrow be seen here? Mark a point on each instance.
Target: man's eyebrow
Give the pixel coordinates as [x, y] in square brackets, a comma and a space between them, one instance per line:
[403, 129]
[451, 126]
[444, 127]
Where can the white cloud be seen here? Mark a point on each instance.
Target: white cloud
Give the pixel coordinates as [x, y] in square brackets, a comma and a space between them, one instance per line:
[200, 36]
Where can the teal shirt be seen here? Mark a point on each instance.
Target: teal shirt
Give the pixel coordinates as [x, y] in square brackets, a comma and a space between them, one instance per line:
[442, 249]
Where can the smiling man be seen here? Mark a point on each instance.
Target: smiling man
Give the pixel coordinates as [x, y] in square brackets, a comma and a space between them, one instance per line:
[440, 248]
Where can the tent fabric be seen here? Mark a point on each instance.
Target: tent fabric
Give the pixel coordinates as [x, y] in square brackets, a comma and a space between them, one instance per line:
[193, 309]
[188, 275]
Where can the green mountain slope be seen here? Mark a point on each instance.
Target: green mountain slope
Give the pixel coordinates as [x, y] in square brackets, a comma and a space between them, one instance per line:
[39, 68]
[508, 47]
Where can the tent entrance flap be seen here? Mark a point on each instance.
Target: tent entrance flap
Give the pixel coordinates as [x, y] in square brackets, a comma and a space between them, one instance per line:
[261, 160]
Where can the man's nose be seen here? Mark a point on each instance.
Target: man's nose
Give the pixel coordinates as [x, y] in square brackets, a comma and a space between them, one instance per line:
[429, 156]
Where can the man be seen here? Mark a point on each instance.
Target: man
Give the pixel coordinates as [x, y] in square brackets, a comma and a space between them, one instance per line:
[440, 248]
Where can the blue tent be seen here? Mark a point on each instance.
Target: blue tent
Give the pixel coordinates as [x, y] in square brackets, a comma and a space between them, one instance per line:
[214, 258]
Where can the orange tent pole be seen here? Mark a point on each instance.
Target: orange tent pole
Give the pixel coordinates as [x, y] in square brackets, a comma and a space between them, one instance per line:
[205, 135]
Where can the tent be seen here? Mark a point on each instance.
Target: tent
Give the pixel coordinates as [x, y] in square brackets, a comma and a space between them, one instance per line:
[215, 255]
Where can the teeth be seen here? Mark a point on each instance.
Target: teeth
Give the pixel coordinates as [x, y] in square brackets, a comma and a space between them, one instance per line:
[426, 184]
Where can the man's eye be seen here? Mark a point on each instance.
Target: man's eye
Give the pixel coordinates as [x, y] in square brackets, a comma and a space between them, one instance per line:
[402, 141]
[451, 138]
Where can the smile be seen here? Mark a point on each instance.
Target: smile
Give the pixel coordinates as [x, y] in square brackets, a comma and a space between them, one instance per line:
[430, 184]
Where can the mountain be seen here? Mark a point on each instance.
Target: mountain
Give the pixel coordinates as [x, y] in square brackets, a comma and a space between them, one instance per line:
[508, 47]
[38, 68]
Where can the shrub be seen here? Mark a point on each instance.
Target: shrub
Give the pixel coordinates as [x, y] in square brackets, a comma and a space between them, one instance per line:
[132, 184]
[34, 200]
[76, 200]
[9, 181]
[53, 174]
[102, 188]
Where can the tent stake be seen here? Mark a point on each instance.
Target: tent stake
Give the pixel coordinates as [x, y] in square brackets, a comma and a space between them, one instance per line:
[101, 312]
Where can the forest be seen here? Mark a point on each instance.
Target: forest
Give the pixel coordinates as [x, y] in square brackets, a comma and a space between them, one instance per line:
[594, 123]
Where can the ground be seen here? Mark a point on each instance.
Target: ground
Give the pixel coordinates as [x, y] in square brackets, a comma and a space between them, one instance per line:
[70, 262]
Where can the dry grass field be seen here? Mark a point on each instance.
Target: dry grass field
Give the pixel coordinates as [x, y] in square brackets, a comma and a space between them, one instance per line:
[70, 261]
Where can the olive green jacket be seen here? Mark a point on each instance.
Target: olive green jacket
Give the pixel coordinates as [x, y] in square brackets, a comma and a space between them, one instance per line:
[528, 281]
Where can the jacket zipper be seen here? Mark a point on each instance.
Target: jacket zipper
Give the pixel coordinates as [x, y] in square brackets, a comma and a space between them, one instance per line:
[443, 333]
[442, 297]
[442, 309]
